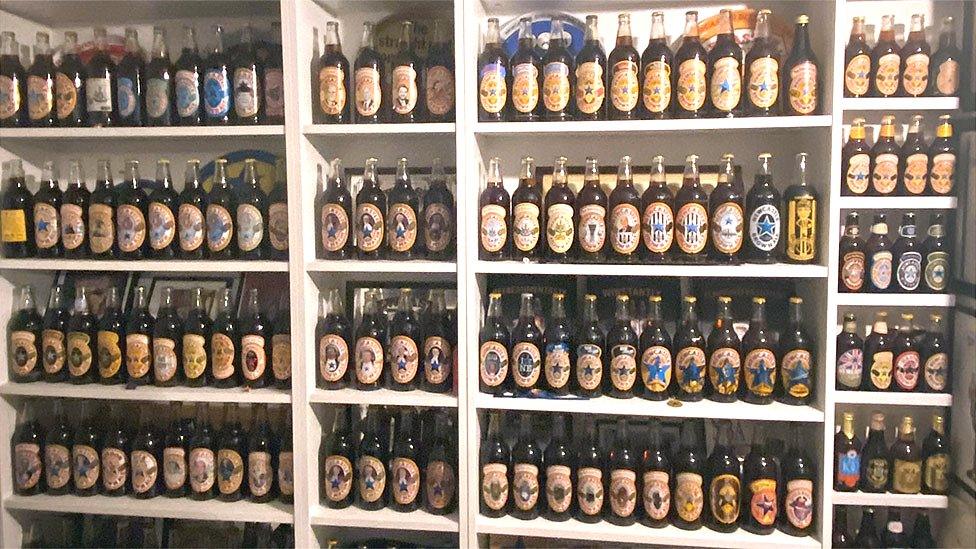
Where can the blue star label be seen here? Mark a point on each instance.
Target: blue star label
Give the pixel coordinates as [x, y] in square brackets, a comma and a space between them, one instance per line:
[762, 504]
[723, 370]
[764, 227]
[216, 93]
[260, 475]
[690, 369]
[144, 471]
[47, 230]
[557, 364]
[658, 227]
[589, 366]
[623, 367]
[692, 228]
[857, 76]
[692, 87]
[57, 464]
[402, 227]
[525, 87]
[764, 82]
[85, 466]
[440, 484]
[437, 359]
[369, 227]
[795, 373]
[590, 91]
[369, 360]
[656, 368]
[858, 173]
[404, 359]
[555, 86]
[338, 477]
[526, 489]
[726, 85]
[27, 465]
[492, 88]
[799, 502]
[760, 372]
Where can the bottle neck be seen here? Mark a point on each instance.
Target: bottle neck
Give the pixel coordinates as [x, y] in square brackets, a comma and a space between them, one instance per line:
[801, 38]
[558, 308]
[688, 315]
[495, 308]
[589, 311]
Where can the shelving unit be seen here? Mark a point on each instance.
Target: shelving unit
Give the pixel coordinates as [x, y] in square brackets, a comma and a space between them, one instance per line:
[384, 519]
[160, 507]
[170, 132]
[777, 270]
[158, 266]
[888, 499]
[893, 399]
[146, 393]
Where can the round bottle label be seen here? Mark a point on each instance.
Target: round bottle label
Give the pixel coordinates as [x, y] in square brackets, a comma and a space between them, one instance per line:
[278, 226]
[191, 224]
[726, 84]
[915, 76]
[803, 87]
[858, 173]
[727, 233]
[164, 359]
[281, 356]
[202, 469]
[937, 271]
[690, 369]
[525, 87]
[724, 492]
[127, 99]
[692, 228]
[437, 359]
[723, 370]
[760, 372]
[589, 366]
[947, 80]
[65, 95]
[216, 93]
[799, 502]
[132, 227]
[763, 504]
[881, 364]
[404, 358]
[9, 97]
[795, 373]
[656, 368]
[194, 355]
[53, 350]
[332, 90]
[884, 178]
[688, 496]
[886, 75]
[592, 228]
[589, 490]
[174, 468]
[230, 471]
[559, 228]
[403, 227]
[623, 367]
[852, 271]
[492, 89]
[657, 86]
[138, 357]
[850, 368]
[557, 366]
[274, 92]
[250, 227]
[369, 224]
[286, 473]
[881, 270]
[440, 484]
[943, 172]
[857, 75]
[254, 356]
[220, 228]
[692, 87]
[559, 488]
[23, 355]
[909, 271]
[85, 466]
[405, 90]
[494, 485]
[157, 97]
[526, 226]
[260, 475]
[658, 227]
[623, 492]
[764, 227]
[906, 370]
[162, 226]
[80, 356]
[57, 464]
[936, 371]
[936, 473]
[144, 471]
[222, 348]
[555, 86]
[115, 468]
[625, 224]
[763, 82]
[40, 96]
[27, 465]
[333, 357]
[369, 360]
[187, 92]
[493, 362]
[372, 478]
[247, 97]
[624, 85]
[438, 227]
[916, 173]
[338, 477]
[46, 227]
[72, 226]
[406, 480]
[102, 228]
[494, 228]
[528, 363]
[657, 494]
[877, 473]
[439, 87]
[369, 97]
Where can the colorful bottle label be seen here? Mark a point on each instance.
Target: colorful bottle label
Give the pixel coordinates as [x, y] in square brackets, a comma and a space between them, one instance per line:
[936, 473]
[803, 87]
[216, 92]
[144, 471]
[254, 356]
[526, 486]
[174, 468]
[690, 369]
[936, 371]
[760, 372]
[877, 473]
[250, 227]
[138, 355]
[557, 364]
[525, 87]
[127, 97]
[405, 91]
[881, 270]
[274, 93]
[440, 484]
[109, 354]
[946, 81]
[624, 85]
[194, 355]
[333, 357]
[337, 472]
[555, 86]
[80, 355]
[223, 351]
[656, 91]
[909, 271]
[40, 97]
[692, 228]
[260, 474]
[907, 477]
[404, 359]
[402, 227]
[9, 97]
[14, 224]
[723, 370]
[437, 359]
[623, 367]
[372, 478]
[589, 366]
[726, 225]
[658, 225]
[438, 227]
[884, 177]
[726, 84]
[101, 224]
[857, 75]
[165, 360]
[559, 228]
[937, 271]
[369, 360]
[881, 364]
[852, 271]
[886, 76]
[657, 494]
[943, 172]
[625, 227]
[692, 86]
[65, 95]
[115, 468]
[57, 465]
[850, 368]
[332, 90]
[527, 364]
[763, 505]
[220, 228]
[23, 352]
[162, 226]
[493, 363]
[187, 92]
[801, 226]
[526, 226]
[906, 370]
[689, 496]
[590, 91]
[369, 95]
[54, 350]
[369, 225]
[848, 471]
[623, 492]
[131, 225]
[723, 498]
[494, 228]
[191, 227]
[247, 94]
[73, 228]
[592, 228]
[764, 227]
[764, 82]
[439, 90]
[202, 470]
[916, 172]
[915, 76]
[795, 373]
[589, 490]
[656, 368]
[559, 488]
[858, 173]
[230, 471]
[494, 485]
[85, 466]
[157, 97]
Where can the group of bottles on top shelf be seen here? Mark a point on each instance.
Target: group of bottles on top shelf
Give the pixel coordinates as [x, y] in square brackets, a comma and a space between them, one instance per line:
[415, 349]
[902, 468]
[134, 348]
[887, 169]
[910, 361]
[102, 452]
[241, 86]
[688, 83]
[590, 478]
[402, 89]
[622, 362]
[879, 265]
[910, 70]
[404, 461]
[400, 223]
[726, 226]
[128, 221]
[894, 534]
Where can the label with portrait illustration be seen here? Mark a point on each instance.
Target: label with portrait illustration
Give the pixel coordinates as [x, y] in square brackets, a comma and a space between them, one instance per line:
[625, 227]
[369, 360]
[936, 371]
[658, 225]
[881, 270]
[333, 357]
[190, 225]
[274, 93]
[372, 478]
[494, 485]
[98, 94]
[526, 226]
[656, 90]
[404, 359]
[724, 492]
[260, 474]
[254, 356]
[194, 355]
[916, 173]
[281, 356]
[109, 353]
[915, 76]
[53, 350]
[278, 226]
[690, 369]
[763, 82]
[624, 85]
[936, 473]
[764, 227]
[80, 355]
[40, 96]
[857, 75]
[286, 473]
[440, 483]
[555, 86]
[623, 367]
[760, 372]
[72, 226]
[402, 221]
[762, 503]
[557, 366]
[884, 177]
[115, 468]
[850, 368]
[801, 228]
[623, 492]
[795, 373]
[494, 228]
[23, 353]
[202, 469]
[131, 224]
[943, 172]
[909, 271]
[947, 79]
[907, 477]
[803, 87]
[162, 226]
[656, 368]
[438, 227]
[560, 231]
[437, 359]
[369, 95]
[906, 369]
[65, 95]
[332, 90]
[157, 97]
[657, 494]
[726, 84]
[405, 92]
[881, 364]
[589, 490]
[10, 99]
[559, 488]
[692, 87]
[220, 228]
[187, 93]
[223, 351]
[250, 227]
[527, 364]
[85, 466]
[47, 230]
[369, 225]
[858, 173]
[144, 471]
[164, 359]
[592, 228]
[102, 228]
[852, 271]
[337, 473]
[727, 233]
[886, 75]
[230, 471]
[247, 97]
[216, 93]
[174, 467]
[57, 465]
[689, 496]
[439, 88]
[492, 88]
[525, 87]
[493, 363]
[526, 486]
[589, 366]
[692, 228]
[723, 370]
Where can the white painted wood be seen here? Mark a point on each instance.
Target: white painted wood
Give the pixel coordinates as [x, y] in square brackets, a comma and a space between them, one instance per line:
[778, 270]
[383, 397]
[895, 300]
[162, 507]
[648, 127]
[161, 266]
[888, 499]
[384, 519]
[401, 267]
[897, 103]
[897, 202]
[893, 399]
[170, 132]
[445, 128]
[147, 393]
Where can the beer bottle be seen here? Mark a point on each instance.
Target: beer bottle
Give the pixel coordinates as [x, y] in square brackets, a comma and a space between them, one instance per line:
[176, 446]
[656, 481]
[759, 368]
[255, 332]
[40, 85]
[801, 94]
[53, 335]
[725, 70]
[894, 534]
[13, 110]
[437, 345]
[906, 460]
[332, 335]
[850, 356]
[797, 365]
[101, 88]
[875, 465]
[724, 359]
[218, 83]
[905, 349]
[559, 460]
[724, 483]
[657, 223]
[877, 251]
[167, 342]
[797, 489]
[526, 339]
[369, 68]
[223, 344]
[655, 345]
[657, 62]
[248, 79]
[801, 216]
[129, 82]
[625, 217]
[196, 351]
[147, 455]
[913, 160]
[622, 341]
[372, 459]
[496, 461]
[526, 465]
[281, 345]
[85, 461]
[857, 62]
[763, 211]
[159, 83]
[370, 339]
[131, 206]
[725, 206]
[589, 352]
[690, 363]
[231, 450]
[559, 73]
[935, 459]
[526, 68]
[935, 262]
[762, 69]
[885, 163]
[886, 60]
[24, 329]
[935, 357]
[915, 59]
[558, 342]
[82, 340]
[559, 204]
[592, 205]
[590, 482]
[273, 85]
[74, 213]
[370, 209]
[111, 340]
[942, 154]
[622, 465]
[527, 213]
[494, 205]
[403, 353]
[922, 532]
[191, 224]
[163, 204]
[221, 202]
[944, 63]
[440, 467]
[851, 276]
[438, 214]
[286, 460]
[338, 455]
[760, 474]
[260, 468]
[689, 471]
[333, 106]
[401, 217]
[406, 80]
[856, 161]
[439, 75]
[493, 353]
[624, 80]
[867, 534]
[57, 453]
[278, 214]
[691, 221]
[692, 85]
[879, 354]
[906, 257]
[17, 205]
[201, 467]
[252, 216]
[840, 537]
[188, 85]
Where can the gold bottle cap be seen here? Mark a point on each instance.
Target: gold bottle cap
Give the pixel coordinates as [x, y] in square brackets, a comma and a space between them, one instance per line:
[690, 299]
[803, 20]
[623, 297]
[759, 300]
[858, 19]
[935, 317]
[877, 421]
[656, 298]
[691, 158]
[907, 426]
[589, 297]
[796, 300]
[559, 295]
[907, 316]
[724, 299]
[495, 295]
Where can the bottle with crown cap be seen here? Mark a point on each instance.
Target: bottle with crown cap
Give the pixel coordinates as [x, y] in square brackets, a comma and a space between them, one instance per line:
[160, 78]
[691, 86]
[915, 59]
[655, 354]
[657, 219]
[725, 70]
[914, 161]
[942, 155]
[690, 366]
[691, 217]
[494, 205]
[856, 161]
[13, 112]
[801, 71]
[591, 75]
[591, 205]
[657, 80]
[623, 78]
[906, 460]
[886, 60]
[41, 109]
[884, 159]
[333, 77]
[624, 227]
[724, 355]
[24, 337]
[725, 207]
[560, 203]
[763, 212]
[878, 256]
[944, 63]
[130, 82]
[759, 367]
[857, 62]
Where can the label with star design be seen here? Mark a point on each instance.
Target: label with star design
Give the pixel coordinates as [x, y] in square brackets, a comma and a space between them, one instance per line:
[762, 503]
[525, 87]
[656, 91]
[559, 488]
[437, 359]
[220, 228]
[85, 466]
[174, 467]
[369, 360]
[57, 465]
[439, 484]
[624, 85]
[27, 465]
[623, 367]
[402, 227]
[162, 226]
[723, 370]
[230, 471]
[137, 355]
[803, 87]
[131, 225]
[915, 76]
[406, 480]
[494, 485]
[795, 373]
[915, 173]
[690, 369]
[250, 227]
[589, 490]
[202, 469]
[884, 177]
[369, 225]
[857, 75]
[623, 492]
[881, 270]
[23, 355]
[852, 271]
[109, 354]
[657, 494]
[858, 173]
[691, 226]
[528, 363]
[557, 367]
[80, 354]
[46, 229]
[555, 86]
[658, 227]
[688, 496]
[372, 478]
[404, 359]
[799, 502]
[40, 96]
[526, 488]
[726, 227]
[936, 367]
[726, 85]
[164, 359]
[764, 82]
[760, 372]
[115, 468]
[936, 270]
[723, 498]
[764, 224]
[338, 477]
[190, 223]
[260, 475]
[656, 368]
[692, 87]
[144, 471]
[589, 366]
[492, 89]
[53, 350]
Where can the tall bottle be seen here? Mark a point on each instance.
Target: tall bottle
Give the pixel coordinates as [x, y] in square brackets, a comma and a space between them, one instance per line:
[221, 207]
[86, 462]
[369, 75]
[525, 352]
[41, 85]
[370, 212]
[759, 365]
[526, 472]
[656, 481]
[691, 219]
[231, 448]
[494, 206]
[82, 340]
[14, 110]
[850, 356]
[439, 75]
[922, 532]
[131, 209]
[161, 214]
[724, 478]
[333, 335]
[625, 218]
[879, 355]
[225, 360]
[624, 74]
[762, 70]
[272, 83]
[760, 475]
[526, 67]
[25, 343]
[797, 489]
[935, 358]
[74, 213]
[915, 59]
[559, 460]
[255, 333]
[251, 216]
[689, 471]
[191, 224]
[797, 361]
[725, 207]
[800, 201]
[333, 104]
[218, 83]
[875, 462]
[852, 259]
[591, 483]
[338, 457]
[906, 460]
[894, 534]
[111, 340]
[372, 458]
[286, 461]
[406, 80]
[591, 75]
[248, 80]
[560, 203]
[100, 84]
[260, 457]
[57, 453]
[944, 63]
[857, 62]
[622, 466]
[801, 92]
[885, 163]
[370, 342]
[856, 161]
[496, 461]
[906, 259]
[867, 534]
[724, 358]
[493, 360]
[622, 342]
[590, 355]
[763, 213]
[403, 351]
[438, 357]
[656, 358]
[935, 459]
[942, 153]
[176, 443]
[689, 363]
[691, 86]
[886, 60]
[558, 343]
[54, 353]
[439, 236]
[913, 163]
[146, 457]
[657, 221]
[840, 537]
[559, 75]
[725, 70]
[527, 213]
[935, 256]
[167, 342]
[115, 462]
[278, 214]
[281, 345]
[17, 208]
[877, 252]
[160, 78]
[196, 351]
[130, 82]
[591, 203]
[188, 81]
[657, 63]
[201, 461]
[402, 222]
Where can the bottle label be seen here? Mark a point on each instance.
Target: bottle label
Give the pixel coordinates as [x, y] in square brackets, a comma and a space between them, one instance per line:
[494, 229]
[764, 227]
[658, 227]
[946, 81]
[109, 354]
[220, 228]
[690, 369]
[157, 97]
[144, 470]
[405, 90]
[162, 226]
[281, 356]
[943, 172]
[115, 468]
[333, 357]
[692, 87]
[102, 228]
[559, 228]
[623, 367]
[559, 488]
[85, 466]
[763, 82]
[164, 359]
[525, 226]
[688, 496]
[760, 372]
[187, 93]
[657, 86]
[906, 370]
[723, 498]
[128, 99]
[224, 353]
[525, 87]
[404, 358]
[493, 361]
[657, 494]
[332, 90]
[230, 471]
[876, 473]
[795, 370]
[54, 351]
[881, 270]
[555, 86]
[338, 477]
[40, 97]
[286, 473]
[726, 85]
[132, 227]
[803, 87]
[886, 74]
[14, 225]
[937, 271]
[936, 473]
[250, 227]
[801, 238]
[372, 478]
[625, 85]
[57, 464]
[370, 227]
[438, 227]
[254, 356]
[850, 368]
[908, 477]
[723, 370]
[23, 356]
[369, 360]
[9, 97]
[403, 227]
[202, 470]
[936, 371]
[527, 364]
[763, 504]
[260, 474]
[440, 484]
[916, 173]
[437, 359]
[191, 227]
[216, 92]
[909, 271]
[848, 468]
[274, 93]
[592, 228]
[194, 355]
[881, 369]
[692, 228]
[915, 77]
[174, 468]
[494, 485]
[247, 98]
[656, 368]
[439, 87]
[884, 178]
[278, 226]
[526, 488]
[98, 94]
[727, 224]
[857, 75]
[72, 226]
[858, 173]
[80, 354]
[589, 366]
[369, 96]
[625, 223]
[589, 490]
[852, 271]
[623, 492]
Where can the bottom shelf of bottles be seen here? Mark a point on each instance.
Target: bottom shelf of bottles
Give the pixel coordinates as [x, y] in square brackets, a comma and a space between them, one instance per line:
[384, 519]
[889, 499]
[162, 507]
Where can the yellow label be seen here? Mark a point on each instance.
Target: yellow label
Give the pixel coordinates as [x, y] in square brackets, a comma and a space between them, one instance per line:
[801, 238]
[194, 356]
[624, 85]
[332, 90]
[886, 74]
[525, 87]
[857, 75]
[109, 354]
[590, 91]
[764, 82]
[915, 77]
[726, 84]
[14, 225]
[691, 84]
[657, 86]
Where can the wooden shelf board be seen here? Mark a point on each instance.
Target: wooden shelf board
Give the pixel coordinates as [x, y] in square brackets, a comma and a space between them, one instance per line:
[897, 202]
[895, 300]
[163, 266]
[893, 399]
[638, 127]
[381, 266]
[776, 270]
[383, 397]
[169, 132]
[97, 391]
[899, 103]
[440, 128]
[887, 499]
[383, 519]
[162, 507]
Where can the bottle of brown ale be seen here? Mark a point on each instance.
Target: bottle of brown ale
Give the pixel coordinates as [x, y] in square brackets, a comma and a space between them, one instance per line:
[493, 77]
[763, 213]
[857, 62]
[724, 358]
[797, 362]
[906, 460]
[886, 60]
[725, 71]
[526, 69]
[914, 160]
[406, 80]
[624, 79]
[438, 216]
[438, 345]
[493, 362]
[333, 99]
[935, 459]
[850, 356]
[625, 218]
[885, 163]
[560, 202]
[14, 110]
[942, 155]
[878, 355]
[759, 365]
[801, 71]
[333, 335]
[657, 221]
[935, 358]
[692, 85]
[906, 258]
[368, 78]
[401, 218]
[494, 206]
[622, 342]
[558, 340]
[591, 204]
[527, 214]
[526, 356]
[905, 349]
[852, 260]
[41, 85]
[655, 353]
[590, 351]
[657, 63]
[935, 254]
[724, 483]
[690, 364]
[801, 201]
[439, 75]
[877, 252]
[691, 219]
[875, 462]
[591, 75]
[760, 474]
[855, 162]
[762, 70]
[558, 76]
[335, 213]
[944, 63]
[915, 59]
[725, 206]
[403, 351]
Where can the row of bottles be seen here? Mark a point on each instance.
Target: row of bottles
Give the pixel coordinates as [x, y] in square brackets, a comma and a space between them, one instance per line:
[128, 221]
[894, 533]
[902, 265]
[240, 86]
[909, 70]
[757, 367]
[404, 461]
[911, 360]
[726, 226]
[171, 453]
[400, 223]
[623, 482]
[691, 82]
[412, 350]
[902, 468]
[403, 88]
[885, 168]
[136, 348]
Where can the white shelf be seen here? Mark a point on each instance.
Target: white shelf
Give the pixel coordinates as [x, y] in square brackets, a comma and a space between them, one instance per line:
[381, 266]
[603, 127]
[897, 202]
[383, 519]
[427, 128]
[888, 499]
[143, 133]
[161, 506]
[899, 103]
[637, 533]
[162, 266]
[896, 300]
[640, 407]
[893, 399]
[146, 393]
[776, 270]
[383, 397]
